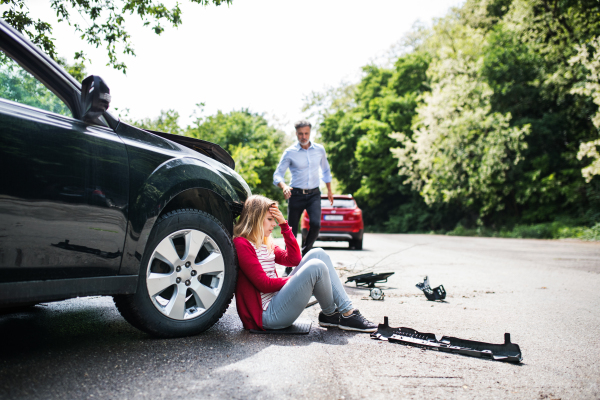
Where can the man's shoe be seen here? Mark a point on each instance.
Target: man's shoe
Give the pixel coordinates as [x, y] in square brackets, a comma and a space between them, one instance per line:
[356, 322]
[329, 320]
[287, 272]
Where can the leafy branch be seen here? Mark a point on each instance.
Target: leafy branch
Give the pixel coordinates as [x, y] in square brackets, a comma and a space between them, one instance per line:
[105, 20]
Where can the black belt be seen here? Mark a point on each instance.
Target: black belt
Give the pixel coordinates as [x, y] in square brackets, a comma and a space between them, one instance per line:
[305, 191]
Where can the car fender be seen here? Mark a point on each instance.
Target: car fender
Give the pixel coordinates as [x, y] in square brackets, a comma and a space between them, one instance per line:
[170, 178]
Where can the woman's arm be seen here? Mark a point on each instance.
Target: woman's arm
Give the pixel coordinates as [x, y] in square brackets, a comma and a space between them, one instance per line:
[249, 264]
[291, 256]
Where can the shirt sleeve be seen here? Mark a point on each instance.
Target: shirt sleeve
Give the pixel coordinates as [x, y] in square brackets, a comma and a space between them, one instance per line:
[325, 168]
[251, 267]
[283, 165]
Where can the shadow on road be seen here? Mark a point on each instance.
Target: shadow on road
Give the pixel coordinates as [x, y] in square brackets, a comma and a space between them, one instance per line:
[79, 348]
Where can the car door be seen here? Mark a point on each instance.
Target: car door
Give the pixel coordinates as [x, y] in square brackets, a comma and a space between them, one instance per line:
[63, 186]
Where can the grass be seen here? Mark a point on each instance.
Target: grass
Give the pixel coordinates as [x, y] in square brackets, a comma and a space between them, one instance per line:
[547, 230]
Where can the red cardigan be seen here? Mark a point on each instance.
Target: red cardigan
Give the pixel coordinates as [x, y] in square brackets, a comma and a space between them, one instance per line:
[252, 279]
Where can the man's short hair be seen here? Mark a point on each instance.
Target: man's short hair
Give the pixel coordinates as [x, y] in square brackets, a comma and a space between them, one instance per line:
[302, 123]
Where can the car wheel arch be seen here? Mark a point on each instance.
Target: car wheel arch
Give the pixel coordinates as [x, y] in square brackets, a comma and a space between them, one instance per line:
[204, 200]
[158, 195]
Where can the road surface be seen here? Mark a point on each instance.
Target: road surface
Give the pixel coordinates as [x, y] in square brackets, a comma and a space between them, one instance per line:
[545, 293]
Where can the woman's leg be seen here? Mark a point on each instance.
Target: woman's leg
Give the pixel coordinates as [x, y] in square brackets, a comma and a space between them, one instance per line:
[288, 304]
[341, 299]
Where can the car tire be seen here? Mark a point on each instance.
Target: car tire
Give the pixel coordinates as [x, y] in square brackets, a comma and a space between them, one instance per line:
[357, 244]
[187, 276]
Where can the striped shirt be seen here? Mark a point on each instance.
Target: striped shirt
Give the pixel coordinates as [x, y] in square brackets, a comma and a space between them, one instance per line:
[268, 263]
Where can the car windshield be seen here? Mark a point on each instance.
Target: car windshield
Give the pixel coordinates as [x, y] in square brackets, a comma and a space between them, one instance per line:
[339, 203]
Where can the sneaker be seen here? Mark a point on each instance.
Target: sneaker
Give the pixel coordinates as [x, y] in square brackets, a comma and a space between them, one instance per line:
[329, 320]
[356, 322]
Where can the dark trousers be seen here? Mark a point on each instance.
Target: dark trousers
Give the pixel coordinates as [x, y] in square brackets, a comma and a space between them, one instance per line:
[312, 204]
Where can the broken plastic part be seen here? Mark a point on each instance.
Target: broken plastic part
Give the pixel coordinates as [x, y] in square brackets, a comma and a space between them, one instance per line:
[377, 294]
[509, 352]
[438, 293]
[369, 279]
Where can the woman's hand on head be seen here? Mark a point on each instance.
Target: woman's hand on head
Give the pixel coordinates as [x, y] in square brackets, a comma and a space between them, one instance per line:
[274, 210]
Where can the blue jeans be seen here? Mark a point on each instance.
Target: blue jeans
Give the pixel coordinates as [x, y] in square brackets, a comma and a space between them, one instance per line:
[314, 275]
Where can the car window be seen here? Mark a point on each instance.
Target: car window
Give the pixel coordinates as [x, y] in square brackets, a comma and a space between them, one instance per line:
[338, 203]
[16, 84]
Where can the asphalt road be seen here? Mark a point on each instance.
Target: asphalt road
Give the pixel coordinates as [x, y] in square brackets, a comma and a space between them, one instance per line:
[545, 293]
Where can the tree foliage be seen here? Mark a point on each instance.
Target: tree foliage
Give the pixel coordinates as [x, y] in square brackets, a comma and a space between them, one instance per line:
[487, 120]
[105, 22]
[590, 87]
[16, 84]
[255, 146]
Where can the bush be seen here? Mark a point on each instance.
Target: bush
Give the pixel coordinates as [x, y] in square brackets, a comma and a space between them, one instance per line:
[592, 233]
[547, 230]
[462, 231]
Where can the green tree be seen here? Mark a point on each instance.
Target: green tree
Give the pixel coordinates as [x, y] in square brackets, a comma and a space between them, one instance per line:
[167, 121]
[357, 138]
[105, 22]
[255, 146]
[589, 57]
[461, 152]
[495, 129]
[16, 84]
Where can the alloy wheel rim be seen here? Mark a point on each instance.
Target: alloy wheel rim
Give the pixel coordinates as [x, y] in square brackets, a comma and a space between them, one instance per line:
[185, 274]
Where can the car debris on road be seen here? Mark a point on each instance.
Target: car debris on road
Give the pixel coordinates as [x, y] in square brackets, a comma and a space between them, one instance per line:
[508, 352]
[438, 293]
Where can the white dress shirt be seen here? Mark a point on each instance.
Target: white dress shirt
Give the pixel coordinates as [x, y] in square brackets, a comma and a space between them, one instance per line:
[304, 166]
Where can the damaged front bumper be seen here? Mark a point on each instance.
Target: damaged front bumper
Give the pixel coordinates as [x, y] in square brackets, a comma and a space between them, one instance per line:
[508, 352]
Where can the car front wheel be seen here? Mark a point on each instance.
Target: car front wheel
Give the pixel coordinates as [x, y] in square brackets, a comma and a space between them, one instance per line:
[187, 276]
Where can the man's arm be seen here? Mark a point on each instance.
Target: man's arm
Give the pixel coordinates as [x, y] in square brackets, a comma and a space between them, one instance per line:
[278, 176]
[287, 191]
[327, 176]
[329, 193]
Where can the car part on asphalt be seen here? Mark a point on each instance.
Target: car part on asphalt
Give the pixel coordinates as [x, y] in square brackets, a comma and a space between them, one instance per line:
[509, 352]
[369, 279]
[297, 328]
[438, 293]
[187, 277]
[377, 294]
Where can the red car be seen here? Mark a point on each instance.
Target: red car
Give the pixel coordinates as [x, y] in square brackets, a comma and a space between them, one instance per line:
[340, 223]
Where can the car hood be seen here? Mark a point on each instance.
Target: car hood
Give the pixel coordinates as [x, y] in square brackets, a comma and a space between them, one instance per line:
[209, 149]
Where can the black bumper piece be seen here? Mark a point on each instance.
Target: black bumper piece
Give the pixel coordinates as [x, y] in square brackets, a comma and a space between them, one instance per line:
[508, 352]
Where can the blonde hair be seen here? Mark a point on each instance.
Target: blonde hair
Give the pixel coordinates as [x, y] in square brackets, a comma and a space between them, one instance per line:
[250, 224]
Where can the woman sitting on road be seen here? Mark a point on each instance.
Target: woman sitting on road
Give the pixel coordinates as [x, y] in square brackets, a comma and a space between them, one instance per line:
[265, 301]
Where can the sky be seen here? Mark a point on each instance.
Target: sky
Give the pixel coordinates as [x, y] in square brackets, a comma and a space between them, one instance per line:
[263, 55]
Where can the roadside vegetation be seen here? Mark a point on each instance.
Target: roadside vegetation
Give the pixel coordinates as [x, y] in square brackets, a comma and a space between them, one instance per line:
[485, 124]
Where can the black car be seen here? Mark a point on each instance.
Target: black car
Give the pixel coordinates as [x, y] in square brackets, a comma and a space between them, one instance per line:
[90, 205]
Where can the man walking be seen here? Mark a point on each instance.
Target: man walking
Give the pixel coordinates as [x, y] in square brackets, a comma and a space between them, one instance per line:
[304, 159]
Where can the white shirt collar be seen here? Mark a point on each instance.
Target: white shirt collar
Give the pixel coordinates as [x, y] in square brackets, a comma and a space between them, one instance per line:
[298, 147]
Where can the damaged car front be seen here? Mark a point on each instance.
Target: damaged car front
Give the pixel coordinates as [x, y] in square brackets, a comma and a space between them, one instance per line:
[90, 205]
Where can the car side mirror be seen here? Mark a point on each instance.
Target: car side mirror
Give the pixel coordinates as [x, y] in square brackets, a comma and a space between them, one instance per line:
[95, 98]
